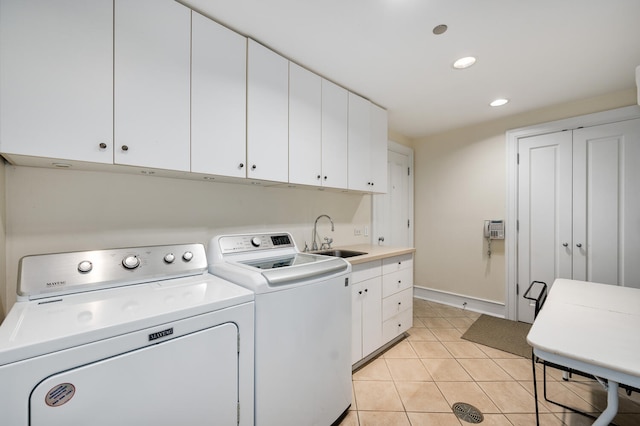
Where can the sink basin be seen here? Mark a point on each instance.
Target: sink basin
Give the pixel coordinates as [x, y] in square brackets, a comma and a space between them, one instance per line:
[341, 253]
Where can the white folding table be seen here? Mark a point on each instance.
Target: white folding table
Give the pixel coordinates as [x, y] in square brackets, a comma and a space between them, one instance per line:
[593, 328]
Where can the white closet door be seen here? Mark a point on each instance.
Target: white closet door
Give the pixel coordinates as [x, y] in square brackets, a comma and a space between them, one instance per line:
[544, 209]
[606, 203]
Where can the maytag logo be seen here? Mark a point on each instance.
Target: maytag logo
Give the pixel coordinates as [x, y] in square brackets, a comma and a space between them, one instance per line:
[55, 283]
[160, 334]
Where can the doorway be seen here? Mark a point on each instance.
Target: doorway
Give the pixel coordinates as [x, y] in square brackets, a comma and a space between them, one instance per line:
[573, 204]
[392, 223]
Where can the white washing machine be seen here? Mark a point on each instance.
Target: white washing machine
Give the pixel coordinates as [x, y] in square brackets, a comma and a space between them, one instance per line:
[133, 336]
[302, 326]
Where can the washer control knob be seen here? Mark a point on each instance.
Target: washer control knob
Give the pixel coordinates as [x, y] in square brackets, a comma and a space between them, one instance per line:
[169, 258]
[255, 241]
[85, 266]
[131, 262]
[187, 256]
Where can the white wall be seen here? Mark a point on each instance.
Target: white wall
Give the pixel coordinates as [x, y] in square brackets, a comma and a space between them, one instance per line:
[52, 210]
[460, 181]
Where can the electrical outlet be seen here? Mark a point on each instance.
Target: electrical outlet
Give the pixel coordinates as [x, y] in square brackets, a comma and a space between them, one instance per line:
[357, 232]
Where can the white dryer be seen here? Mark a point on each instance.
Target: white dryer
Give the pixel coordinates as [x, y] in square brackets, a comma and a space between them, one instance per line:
[134, 336]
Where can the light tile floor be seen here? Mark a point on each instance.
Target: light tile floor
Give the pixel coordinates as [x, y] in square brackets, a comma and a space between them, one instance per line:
[418, 380]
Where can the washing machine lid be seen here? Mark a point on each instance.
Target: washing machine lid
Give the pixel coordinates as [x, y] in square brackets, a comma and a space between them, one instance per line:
[265, 262]
[38, 327]
[296, 267]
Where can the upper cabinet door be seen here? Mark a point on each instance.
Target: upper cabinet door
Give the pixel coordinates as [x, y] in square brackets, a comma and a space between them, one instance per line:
[56, 79]
[152, 82]
[379, 135]
[267, 114]
[359, 143]
[334, 135]
[218, 99]
[305, 151]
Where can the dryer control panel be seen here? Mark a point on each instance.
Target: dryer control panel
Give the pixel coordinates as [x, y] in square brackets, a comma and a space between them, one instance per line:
[45, 275]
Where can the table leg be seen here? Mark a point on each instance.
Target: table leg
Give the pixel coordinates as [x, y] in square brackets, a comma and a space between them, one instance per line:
[612, 405]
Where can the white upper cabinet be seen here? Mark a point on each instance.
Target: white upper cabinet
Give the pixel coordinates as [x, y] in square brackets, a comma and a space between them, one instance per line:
[152, 84]
[56, 79]
[267, 114]
[305, 149]
[317, 130]
[367, 145]
[334, 135]
[379, 136]
[218, 99]
[359, 141]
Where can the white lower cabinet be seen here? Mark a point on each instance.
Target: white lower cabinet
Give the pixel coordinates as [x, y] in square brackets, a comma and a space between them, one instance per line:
[366, 309]
[382, 303]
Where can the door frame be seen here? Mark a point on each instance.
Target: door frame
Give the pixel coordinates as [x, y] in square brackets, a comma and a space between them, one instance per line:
[512, 140]
[408, 151]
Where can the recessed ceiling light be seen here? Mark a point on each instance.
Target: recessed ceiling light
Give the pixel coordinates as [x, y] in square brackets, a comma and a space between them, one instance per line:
[499, 102]
[465, 62]
[439, 29]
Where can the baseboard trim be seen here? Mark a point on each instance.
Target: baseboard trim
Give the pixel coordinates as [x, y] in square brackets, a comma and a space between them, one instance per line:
[458, 301]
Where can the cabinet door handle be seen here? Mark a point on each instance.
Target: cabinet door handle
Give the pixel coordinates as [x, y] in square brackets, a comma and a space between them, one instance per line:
[318, 177]
[325, 178]
[366, 290]
[125, 148]
[253, 167]
[360, 292]
[565, 244]
[241, 165]
[103, 145]
[579, 245]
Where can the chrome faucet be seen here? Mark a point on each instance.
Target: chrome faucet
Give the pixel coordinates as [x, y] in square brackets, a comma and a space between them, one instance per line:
[314, 245]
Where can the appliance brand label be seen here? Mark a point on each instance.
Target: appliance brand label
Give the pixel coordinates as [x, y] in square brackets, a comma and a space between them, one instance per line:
[55, 283]
[60, 394]
[160, 334]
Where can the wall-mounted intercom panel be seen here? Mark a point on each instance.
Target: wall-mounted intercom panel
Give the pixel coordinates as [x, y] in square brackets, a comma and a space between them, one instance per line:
[494, 229]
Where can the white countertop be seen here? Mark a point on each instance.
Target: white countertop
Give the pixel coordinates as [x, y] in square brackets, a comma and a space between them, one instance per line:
[374, 252]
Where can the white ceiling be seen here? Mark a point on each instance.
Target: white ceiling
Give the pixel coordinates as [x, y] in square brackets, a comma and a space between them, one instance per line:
[535, 53]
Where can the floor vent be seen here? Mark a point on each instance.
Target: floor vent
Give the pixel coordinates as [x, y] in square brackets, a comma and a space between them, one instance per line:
[467, 412]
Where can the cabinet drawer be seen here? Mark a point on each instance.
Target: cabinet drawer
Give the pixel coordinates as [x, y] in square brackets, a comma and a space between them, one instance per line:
[365, 271]
[397, 303]
[396, 325]
[396, 263]
[396, 281]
